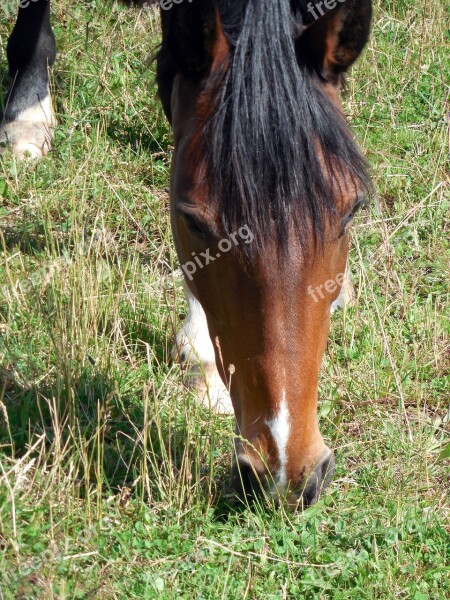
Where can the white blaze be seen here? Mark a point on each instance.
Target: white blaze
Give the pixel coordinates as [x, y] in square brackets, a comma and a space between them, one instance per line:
[280, 427]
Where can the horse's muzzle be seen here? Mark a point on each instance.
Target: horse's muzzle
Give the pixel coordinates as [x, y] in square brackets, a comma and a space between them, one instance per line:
[251, 483]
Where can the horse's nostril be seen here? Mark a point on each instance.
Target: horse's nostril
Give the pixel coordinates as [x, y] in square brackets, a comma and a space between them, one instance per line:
[248, 481]
[318, 480]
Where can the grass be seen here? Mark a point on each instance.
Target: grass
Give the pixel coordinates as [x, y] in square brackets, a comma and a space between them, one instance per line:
[113, 483]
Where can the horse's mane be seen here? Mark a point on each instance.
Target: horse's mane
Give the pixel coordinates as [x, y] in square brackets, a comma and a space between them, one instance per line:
[273, 141]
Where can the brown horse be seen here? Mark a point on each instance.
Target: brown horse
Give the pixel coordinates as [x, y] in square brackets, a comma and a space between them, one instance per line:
[265, 181]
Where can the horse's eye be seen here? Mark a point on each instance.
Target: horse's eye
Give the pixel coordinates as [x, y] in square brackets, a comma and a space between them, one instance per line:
[196, 226]
[347, 220]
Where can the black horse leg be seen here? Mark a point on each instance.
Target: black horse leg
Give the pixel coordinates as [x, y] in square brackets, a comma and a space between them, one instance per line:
[27, 119]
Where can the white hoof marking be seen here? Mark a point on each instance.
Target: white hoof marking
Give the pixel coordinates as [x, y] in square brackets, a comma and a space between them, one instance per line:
[31, 133]
[193, 347]
[347, 294]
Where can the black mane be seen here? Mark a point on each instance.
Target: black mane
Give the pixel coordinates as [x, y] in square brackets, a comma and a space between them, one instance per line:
[274, 141]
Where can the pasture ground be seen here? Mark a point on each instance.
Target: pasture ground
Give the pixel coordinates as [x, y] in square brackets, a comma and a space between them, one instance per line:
[113, 483]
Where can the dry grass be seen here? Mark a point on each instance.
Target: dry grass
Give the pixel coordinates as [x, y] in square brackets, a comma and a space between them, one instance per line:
[113, 483]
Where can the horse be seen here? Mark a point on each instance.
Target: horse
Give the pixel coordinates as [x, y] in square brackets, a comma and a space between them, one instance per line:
[265, 180]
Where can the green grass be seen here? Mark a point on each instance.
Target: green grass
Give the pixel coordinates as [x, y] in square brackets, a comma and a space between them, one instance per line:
[113, 483]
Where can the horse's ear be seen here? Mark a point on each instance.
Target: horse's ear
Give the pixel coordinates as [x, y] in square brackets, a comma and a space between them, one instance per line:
[194, 35]
[335, 34]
